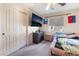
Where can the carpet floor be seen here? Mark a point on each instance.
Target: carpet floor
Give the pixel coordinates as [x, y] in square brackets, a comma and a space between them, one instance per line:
[41, 49]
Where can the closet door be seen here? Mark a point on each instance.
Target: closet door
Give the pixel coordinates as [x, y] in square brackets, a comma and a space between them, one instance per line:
[24, 22]
[9, 29]
[13, 33]
[0, 32]
[17, 29]
[21, 28]
[3, 35]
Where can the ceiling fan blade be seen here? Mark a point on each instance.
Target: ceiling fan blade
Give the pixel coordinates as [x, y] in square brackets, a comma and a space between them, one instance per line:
[62, 4]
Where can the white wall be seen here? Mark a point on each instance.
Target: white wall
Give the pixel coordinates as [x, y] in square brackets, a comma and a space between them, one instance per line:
[73, 27]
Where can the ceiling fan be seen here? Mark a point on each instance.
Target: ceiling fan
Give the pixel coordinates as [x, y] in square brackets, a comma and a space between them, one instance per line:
[62, 4]
[50, 5]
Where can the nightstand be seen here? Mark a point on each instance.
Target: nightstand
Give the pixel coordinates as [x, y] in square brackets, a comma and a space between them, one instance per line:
[48, 37]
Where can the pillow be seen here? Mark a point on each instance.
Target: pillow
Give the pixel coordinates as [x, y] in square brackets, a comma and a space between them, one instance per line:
[60, 40]
[59, 33]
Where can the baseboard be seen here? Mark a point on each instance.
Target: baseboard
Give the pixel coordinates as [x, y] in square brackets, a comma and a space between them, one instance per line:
[10, 51]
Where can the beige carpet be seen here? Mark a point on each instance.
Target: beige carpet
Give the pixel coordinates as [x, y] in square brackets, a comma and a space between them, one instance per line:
[41, 49]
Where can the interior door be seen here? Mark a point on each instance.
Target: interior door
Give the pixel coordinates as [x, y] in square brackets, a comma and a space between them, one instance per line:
[13, 25]
[3, 29]
[25, 23]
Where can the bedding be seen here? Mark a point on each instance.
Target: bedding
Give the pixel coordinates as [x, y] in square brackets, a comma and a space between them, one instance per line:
[66, 35]
[71, 49]
[67, 45]
[66, 41]
[58, 45]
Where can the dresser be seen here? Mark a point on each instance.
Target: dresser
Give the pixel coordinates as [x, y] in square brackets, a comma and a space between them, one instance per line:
[38, 37]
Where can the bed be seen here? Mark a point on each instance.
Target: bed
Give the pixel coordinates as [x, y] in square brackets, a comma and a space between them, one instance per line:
[65, 45]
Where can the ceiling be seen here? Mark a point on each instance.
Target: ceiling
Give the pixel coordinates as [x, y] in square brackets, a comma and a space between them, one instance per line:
[40, 8]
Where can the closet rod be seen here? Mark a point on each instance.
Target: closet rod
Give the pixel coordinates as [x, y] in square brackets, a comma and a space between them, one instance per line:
[57, 15]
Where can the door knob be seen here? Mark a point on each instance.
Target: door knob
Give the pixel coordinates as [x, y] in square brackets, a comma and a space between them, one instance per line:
[3, 33]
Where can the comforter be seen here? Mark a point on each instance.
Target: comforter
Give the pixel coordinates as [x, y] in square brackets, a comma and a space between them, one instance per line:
[66, 45]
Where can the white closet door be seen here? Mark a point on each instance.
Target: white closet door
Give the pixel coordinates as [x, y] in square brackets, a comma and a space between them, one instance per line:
[11, 28]
[0, 32]
[6, 29]
[28, 39]
[21, 28]
[24, 27]
[16, 28]
[3, 45]
[13, 25]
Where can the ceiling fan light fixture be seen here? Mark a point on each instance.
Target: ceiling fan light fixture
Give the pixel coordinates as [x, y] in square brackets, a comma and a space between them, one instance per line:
[48, 6]
[54, 5]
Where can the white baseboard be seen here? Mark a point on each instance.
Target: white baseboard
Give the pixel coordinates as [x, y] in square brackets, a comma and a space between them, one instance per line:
[10, 51]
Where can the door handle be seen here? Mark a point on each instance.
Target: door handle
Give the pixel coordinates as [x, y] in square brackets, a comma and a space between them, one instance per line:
[3, 33]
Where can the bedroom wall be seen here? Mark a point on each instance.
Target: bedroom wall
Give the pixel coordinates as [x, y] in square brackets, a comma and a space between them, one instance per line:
[72, 27]
[68, 28]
